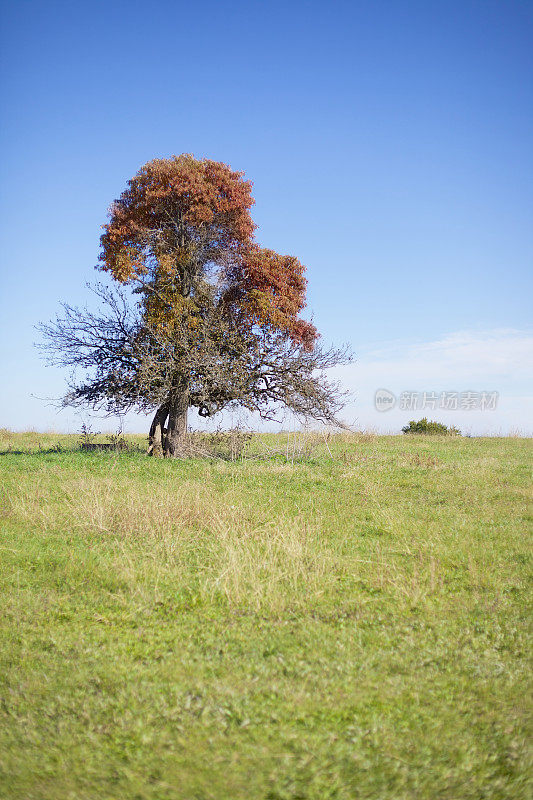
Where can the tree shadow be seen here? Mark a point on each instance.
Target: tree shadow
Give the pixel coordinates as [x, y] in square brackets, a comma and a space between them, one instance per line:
[55, 451]
[43, 452]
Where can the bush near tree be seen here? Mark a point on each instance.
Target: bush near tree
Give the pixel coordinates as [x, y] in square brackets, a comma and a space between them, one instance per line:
[430, 427]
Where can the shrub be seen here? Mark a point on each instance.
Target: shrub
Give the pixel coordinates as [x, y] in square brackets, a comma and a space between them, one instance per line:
[431, 427]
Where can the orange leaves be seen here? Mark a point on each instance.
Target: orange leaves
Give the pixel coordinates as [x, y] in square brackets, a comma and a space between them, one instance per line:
[271, 291]
[167, 202]
[180, 217]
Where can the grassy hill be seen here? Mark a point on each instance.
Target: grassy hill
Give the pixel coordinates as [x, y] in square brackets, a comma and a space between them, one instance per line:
[349, 625]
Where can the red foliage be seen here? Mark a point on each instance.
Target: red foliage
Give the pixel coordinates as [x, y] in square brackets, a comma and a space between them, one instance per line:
[270, 290]
[201, 193]
[175, 207]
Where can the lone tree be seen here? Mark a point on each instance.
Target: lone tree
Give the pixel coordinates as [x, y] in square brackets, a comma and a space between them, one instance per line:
[198, 315]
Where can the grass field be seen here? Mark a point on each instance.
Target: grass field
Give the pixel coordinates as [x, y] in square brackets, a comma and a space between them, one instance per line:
[355, 625]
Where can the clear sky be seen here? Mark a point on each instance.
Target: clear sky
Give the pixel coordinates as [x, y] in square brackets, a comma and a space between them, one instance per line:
[390, 146]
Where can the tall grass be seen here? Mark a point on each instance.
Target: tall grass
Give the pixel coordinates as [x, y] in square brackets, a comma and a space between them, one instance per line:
[336, 621]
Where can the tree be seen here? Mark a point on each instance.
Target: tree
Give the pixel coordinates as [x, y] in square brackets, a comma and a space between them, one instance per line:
[202, 317]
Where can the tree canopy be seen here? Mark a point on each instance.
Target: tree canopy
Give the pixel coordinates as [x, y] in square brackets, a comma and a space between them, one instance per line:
[198, 314]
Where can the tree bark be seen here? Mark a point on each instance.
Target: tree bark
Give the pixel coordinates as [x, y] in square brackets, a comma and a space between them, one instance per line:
[155, 437]
[177, 423]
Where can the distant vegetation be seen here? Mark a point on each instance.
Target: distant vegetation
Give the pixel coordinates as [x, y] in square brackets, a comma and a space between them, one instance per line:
[430, 428]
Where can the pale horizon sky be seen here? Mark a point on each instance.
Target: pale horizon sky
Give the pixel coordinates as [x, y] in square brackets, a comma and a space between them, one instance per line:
[390, 148]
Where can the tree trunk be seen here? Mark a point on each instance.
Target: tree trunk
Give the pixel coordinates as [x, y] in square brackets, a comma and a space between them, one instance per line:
[155, 437]
[177, 423]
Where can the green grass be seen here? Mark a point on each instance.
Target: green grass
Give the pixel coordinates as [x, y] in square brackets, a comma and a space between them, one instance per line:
[352, 626]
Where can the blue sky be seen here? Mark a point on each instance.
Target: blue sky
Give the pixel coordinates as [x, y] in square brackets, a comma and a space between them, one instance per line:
[390, 146]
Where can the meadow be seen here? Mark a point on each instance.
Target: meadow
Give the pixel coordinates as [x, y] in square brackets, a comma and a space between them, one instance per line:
[348, 622]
